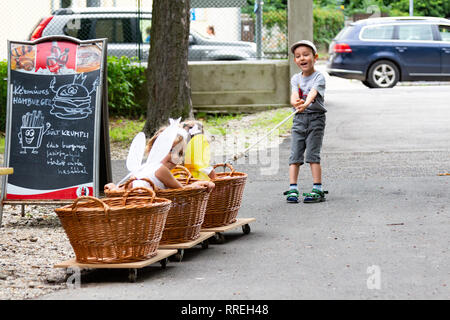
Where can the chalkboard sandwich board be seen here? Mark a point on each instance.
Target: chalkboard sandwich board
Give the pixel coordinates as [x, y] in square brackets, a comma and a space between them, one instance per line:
[55, 119]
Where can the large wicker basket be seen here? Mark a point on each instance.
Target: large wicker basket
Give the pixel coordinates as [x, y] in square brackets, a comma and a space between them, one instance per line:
[115, 230]
[187, 211]
[186, 214]
[226, 198]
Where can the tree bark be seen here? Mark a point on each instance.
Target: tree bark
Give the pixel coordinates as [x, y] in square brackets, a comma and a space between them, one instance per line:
[168, 75]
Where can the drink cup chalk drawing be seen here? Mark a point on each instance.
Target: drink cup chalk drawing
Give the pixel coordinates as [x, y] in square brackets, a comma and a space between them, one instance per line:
[31, 131]
[72, 101]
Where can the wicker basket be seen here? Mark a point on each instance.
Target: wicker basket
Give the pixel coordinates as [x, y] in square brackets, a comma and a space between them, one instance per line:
[187, 211]
[115, 230]
[183, 175]
[122, 188]
[225, 200]
[186, 214]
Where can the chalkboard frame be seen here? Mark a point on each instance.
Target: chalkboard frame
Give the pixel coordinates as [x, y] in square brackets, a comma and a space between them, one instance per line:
[101, 130]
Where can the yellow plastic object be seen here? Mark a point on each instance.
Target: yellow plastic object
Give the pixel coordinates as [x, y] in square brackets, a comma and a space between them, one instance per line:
[197, 156]
[6, 171]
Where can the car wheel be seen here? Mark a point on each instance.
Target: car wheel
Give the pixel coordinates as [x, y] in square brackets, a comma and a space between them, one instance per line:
[383, 74]
[367, 84]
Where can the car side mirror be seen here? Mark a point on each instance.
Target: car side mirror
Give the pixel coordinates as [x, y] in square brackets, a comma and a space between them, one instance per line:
[191, 39]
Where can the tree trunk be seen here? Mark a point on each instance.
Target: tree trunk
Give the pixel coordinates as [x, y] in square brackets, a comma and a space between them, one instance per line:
[168, 76]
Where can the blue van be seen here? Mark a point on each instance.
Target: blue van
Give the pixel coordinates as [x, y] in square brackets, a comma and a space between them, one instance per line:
[382, 51]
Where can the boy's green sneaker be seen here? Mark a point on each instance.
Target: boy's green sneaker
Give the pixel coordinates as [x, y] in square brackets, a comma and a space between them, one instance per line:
[292, 195]
[314, 196]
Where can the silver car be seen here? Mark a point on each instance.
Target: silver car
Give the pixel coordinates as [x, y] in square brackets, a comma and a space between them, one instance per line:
[127, 32]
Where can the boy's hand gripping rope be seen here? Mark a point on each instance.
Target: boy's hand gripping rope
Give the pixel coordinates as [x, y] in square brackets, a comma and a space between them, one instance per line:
[239, 155]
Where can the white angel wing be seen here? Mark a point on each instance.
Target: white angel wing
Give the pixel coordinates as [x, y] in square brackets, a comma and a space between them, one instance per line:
[161, 147]
[136, 152]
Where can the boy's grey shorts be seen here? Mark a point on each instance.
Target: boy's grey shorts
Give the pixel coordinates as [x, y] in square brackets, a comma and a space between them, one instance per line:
[307, 135]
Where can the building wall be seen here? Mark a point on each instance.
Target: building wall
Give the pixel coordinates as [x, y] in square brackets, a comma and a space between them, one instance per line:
[239, 86]
[226, 22]
[18, 18]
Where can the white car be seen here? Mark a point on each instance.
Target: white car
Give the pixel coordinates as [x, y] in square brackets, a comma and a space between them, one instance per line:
[127, 34]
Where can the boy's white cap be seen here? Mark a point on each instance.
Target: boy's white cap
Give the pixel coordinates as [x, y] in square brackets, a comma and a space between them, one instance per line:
[304, 43]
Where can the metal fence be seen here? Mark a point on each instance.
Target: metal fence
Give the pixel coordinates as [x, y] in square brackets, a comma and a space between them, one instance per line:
[126, 24]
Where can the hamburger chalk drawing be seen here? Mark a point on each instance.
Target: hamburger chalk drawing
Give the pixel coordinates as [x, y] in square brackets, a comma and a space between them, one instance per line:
[72, 101]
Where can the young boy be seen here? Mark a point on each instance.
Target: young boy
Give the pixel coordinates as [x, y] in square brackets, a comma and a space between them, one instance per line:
[307, 97]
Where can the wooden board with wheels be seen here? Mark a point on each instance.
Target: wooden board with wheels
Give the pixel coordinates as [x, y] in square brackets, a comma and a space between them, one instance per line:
[203, 240]
[161, 257]
[241, 222]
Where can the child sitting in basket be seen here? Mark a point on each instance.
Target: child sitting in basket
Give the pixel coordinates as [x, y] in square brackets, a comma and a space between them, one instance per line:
[166, 150]
[197, 155]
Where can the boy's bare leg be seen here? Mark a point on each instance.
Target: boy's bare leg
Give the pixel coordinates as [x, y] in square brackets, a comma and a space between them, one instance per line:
[317, 194]
[316, 171]
[293, 193]
[293, 173]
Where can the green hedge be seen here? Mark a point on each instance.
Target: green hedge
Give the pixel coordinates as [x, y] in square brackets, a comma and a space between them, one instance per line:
[3, 93]
[327, 24]
[127, 94]
[126, 88]
[327, 21]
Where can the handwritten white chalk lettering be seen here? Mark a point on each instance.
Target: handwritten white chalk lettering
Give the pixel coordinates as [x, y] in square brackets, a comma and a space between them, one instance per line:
[53, 132]
[63, 155]
[75, 163]
[74, 147]
[32, 101]
[51, 145]
[20, 90]
[56, 162]
[72, 170]
[76, 134]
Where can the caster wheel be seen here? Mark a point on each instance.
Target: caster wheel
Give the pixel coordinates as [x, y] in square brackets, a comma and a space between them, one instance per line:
[246, 229]
[179, 255]
[163, 263]
[72, 275]
[132, 275]
[219, 238]
[68, 275]
[205, 244]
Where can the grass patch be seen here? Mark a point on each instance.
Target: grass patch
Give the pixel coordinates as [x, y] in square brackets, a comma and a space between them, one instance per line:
[123, 130]
[268, 120]
[217, 124]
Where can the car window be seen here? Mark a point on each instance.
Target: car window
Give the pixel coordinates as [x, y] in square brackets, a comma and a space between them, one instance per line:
[445, 33]
[378, 33]
[78, 28]
[344, 32]
[415, 32]
[116, 30]
[145, 26]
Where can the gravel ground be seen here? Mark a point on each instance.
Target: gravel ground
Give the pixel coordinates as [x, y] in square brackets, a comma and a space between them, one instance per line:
[31, 245]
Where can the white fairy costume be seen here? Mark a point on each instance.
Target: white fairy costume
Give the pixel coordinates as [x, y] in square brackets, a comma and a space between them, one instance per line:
[161, 147]
[150, 174]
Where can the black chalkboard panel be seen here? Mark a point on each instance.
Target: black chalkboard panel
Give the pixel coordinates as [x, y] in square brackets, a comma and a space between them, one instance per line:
[54, 118]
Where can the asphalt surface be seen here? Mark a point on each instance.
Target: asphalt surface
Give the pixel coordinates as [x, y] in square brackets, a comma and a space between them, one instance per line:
[381, 234]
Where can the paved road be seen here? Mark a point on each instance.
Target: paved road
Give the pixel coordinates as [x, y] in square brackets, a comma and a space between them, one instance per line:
[382, 234]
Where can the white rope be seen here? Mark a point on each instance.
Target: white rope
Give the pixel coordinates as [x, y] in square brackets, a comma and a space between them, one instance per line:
[237, 156]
